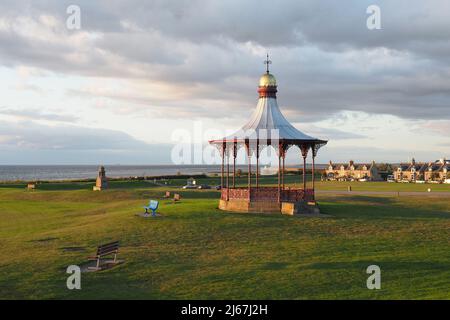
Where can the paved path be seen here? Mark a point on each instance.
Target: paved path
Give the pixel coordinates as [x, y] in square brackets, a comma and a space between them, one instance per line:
[387, 193]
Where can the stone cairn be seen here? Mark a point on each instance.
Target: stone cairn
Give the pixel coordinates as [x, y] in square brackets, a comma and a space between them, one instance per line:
[102, 181]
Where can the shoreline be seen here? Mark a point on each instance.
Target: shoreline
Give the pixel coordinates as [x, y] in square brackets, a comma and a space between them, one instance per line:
[124, 178]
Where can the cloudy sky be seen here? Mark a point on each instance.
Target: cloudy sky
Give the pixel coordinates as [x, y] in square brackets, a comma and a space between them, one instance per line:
[138, 75]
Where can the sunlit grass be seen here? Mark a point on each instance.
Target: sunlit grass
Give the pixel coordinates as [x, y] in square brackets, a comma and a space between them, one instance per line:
[196, 251]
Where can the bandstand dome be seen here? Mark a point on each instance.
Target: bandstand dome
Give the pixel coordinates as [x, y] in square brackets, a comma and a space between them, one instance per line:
[268, 123]
[267, 79]
[266, 126]
[266, 118]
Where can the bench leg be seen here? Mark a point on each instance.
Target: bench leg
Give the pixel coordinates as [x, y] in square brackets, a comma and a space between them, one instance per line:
[115, 256]
[98, 263]
[153, 213]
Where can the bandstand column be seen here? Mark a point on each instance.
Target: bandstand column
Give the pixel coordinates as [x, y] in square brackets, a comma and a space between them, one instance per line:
[304, 176]
[257, 165]
[282, 172]
[312, 168]
[228, 174]
[279, 174]
[249, 170]
[304, 150]
[234, 164]
[314, 150]
[221, 169]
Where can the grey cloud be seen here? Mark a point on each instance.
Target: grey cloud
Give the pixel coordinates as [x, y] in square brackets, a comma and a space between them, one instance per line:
[367, 154]
[35, 114]
[30, 135]
[330, 133]
[325, 59]
[28, 142]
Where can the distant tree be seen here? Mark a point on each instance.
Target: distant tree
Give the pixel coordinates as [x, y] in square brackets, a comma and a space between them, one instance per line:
[386, 167]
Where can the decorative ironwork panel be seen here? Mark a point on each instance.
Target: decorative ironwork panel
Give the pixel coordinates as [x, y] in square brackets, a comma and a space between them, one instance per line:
[309, 194]
[315, 148]
[235, 194]
[268, 194]
[264, 194]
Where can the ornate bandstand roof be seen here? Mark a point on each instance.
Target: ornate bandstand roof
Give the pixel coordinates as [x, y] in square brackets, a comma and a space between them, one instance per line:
[267, 123]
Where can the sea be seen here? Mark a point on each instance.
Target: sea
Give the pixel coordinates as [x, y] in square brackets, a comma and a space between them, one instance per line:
[74, 172]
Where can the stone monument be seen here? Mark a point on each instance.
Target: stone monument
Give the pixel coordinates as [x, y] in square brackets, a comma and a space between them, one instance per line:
[102, 181]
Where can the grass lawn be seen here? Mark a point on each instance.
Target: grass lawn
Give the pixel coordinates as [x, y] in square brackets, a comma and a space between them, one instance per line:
[196, 251]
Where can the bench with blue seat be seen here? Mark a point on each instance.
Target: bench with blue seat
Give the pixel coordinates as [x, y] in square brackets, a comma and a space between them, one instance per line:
[152, 205]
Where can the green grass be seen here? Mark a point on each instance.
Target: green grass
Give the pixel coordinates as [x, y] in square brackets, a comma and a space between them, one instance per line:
[293, 180]
[196, 251]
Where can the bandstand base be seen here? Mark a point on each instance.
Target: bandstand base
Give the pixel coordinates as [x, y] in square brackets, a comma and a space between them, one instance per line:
[287, 208]
[300, 207]
[236, 205]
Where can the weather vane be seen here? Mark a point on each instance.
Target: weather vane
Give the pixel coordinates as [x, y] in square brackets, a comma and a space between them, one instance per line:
[267, 62]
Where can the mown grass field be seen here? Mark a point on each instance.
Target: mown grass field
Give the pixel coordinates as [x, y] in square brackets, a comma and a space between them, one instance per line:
[196, 251]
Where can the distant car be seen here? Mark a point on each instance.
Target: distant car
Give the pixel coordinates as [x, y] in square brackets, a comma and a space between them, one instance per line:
[390, 178]
[363, 180]
[420, 181]
[204, 186]
[218, 187]
[190, 187]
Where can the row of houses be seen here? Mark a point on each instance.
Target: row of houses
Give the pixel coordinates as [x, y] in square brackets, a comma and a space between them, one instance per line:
[420, 171]
[438, 171]
[352, 171]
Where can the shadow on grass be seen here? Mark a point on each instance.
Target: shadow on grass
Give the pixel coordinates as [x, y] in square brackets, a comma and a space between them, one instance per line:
[367, 207]
[386, 265]
[275, 266]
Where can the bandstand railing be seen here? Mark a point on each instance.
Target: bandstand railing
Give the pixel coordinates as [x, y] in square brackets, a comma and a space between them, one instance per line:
[267, 194]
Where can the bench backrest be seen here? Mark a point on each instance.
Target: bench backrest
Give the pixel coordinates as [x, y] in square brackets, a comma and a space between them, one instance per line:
[153, 204]
[108, 248]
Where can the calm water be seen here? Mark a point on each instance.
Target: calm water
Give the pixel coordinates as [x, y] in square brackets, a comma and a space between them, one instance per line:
[63, 172]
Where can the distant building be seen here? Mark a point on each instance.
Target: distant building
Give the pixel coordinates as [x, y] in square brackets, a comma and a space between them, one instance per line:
[434, 171]
[352, 171]
[102, 182]
[411, 172]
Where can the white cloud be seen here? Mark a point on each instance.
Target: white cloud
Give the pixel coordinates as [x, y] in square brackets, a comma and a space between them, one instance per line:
[139, 61]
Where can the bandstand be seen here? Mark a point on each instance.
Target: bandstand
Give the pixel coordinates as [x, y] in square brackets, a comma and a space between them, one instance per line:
[267, 127]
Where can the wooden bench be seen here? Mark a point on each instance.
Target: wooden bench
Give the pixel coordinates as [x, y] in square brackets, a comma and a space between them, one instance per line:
[176, 197]
[152, 205]
[167, 195]
[105, 250]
